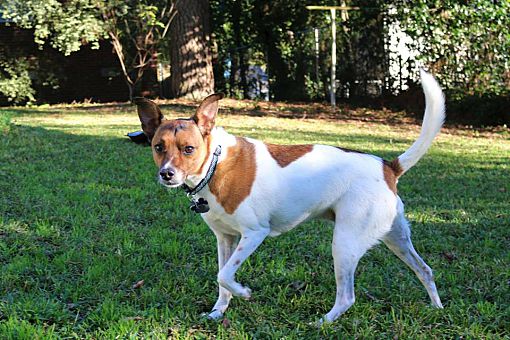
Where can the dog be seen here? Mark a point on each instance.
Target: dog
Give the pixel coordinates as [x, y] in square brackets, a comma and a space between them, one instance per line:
[247, 190]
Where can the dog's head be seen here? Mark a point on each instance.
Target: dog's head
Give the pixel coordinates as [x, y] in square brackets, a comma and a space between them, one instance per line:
[180, 147]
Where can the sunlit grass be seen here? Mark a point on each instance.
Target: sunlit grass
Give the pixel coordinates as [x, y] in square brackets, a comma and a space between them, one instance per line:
[83, 219]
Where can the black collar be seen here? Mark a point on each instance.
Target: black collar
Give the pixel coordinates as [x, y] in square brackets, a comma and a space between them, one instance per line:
[208, 175]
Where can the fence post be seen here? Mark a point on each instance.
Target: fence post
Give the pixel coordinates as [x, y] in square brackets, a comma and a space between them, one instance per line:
[333, 58]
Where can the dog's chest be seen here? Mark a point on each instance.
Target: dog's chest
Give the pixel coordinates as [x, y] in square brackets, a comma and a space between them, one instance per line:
[220, 222]
[218, 219]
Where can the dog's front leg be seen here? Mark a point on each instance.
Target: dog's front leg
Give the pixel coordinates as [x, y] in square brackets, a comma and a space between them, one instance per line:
[226, 245]
[250, 240]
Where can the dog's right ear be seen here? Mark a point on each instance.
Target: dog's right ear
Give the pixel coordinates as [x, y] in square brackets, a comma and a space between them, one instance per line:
[150, 115]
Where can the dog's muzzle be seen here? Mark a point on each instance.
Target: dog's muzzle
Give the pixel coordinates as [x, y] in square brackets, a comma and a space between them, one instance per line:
[168, 178]
[166, 174]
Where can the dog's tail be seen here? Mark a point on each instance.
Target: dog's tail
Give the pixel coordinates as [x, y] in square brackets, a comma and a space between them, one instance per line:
[432, 122]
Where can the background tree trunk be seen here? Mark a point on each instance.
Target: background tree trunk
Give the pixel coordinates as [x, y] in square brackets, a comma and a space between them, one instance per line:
[286, 70]
[190, 54]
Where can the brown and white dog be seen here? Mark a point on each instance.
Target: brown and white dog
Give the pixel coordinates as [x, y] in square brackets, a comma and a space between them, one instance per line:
[255, 190]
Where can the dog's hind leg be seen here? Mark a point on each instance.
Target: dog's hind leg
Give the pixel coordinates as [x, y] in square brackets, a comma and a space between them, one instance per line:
[346, 255]
[359, 224]
[398, 239]
[226, 245]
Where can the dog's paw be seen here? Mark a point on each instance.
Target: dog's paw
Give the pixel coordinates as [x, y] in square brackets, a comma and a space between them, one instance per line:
[236, 289]
[245, 293]
[322, 321]
[214, 315]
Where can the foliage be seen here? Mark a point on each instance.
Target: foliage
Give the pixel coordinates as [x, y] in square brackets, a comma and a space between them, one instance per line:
[481, 109]
[15, 82]
[276, 36]
[280, 26]
[27, 74]
[466, 43]
[66, 25]
[235, 48]
[75, 238]
[135, 28]
[362, 55]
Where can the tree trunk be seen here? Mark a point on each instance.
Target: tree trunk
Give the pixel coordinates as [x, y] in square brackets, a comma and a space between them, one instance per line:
[240, 48]
[286, 73]
[190, 53]
[233, 74]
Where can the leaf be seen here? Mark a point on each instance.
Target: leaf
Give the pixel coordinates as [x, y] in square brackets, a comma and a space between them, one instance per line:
[138, 285]
[225, 323]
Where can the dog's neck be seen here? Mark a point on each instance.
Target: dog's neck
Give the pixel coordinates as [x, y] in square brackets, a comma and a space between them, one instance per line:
[218, 137]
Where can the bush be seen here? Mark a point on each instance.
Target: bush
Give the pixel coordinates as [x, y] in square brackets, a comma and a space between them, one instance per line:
[466, 44]
[480, 110]
[15, 82]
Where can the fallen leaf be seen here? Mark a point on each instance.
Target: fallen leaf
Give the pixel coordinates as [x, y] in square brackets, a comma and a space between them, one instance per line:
[449, 256]
[139, 284]
[134, 318]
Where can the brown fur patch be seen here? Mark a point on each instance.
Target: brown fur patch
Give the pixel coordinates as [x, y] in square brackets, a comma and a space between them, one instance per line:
[150, 115]
[235, 175]
[286, 154]
[392, 171]
[174, 136]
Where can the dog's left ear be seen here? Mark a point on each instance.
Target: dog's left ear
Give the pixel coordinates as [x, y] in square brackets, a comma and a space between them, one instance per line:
[150, 115]
[206, 113]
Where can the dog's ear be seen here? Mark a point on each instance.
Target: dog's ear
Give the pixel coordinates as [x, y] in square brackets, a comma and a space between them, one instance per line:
[206, 113]
[149, 114]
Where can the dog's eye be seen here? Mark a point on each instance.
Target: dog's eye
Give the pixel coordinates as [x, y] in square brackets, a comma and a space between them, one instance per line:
[188, 150]
[158, 148]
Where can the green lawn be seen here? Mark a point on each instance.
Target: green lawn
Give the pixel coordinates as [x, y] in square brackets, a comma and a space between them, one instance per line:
[83, 220]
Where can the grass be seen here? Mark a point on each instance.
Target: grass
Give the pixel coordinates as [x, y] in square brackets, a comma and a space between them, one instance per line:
[83, 220]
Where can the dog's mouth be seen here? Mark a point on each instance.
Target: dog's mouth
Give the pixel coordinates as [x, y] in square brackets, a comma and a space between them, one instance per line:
[170, 184]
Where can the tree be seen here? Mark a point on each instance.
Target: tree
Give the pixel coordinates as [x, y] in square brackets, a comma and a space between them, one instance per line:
[15, 82]
[136, 29]
[235, 46]
[276, 36]
[190, 56]
[277, 23]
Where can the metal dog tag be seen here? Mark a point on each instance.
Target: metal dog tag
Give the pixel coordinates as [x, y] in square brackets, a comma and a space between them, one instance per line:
[201, 206]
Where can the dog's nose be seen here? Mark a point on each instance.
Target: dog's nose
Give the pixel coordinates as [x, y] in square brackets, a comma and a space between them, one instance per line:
[166, 174]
